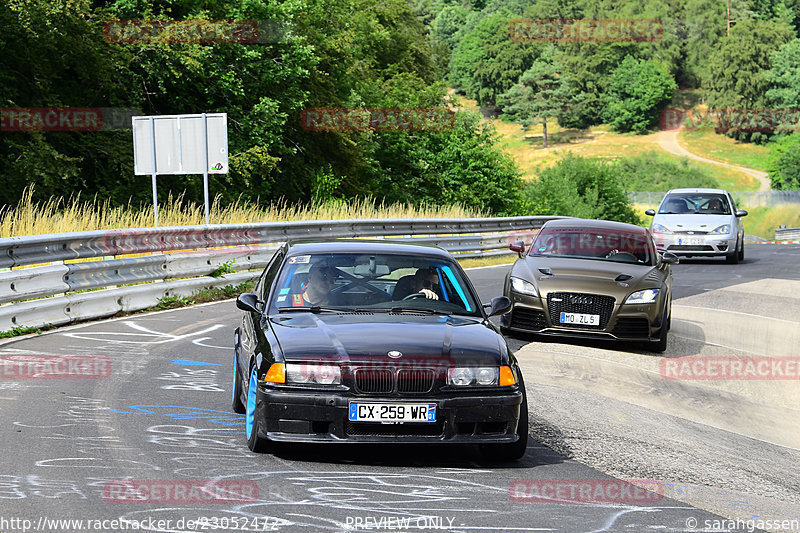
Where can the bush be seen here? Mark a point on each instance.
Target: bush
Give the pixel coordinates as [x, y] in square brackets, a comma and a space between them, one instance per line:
[651, 172]
[784, 163]
[580, 187]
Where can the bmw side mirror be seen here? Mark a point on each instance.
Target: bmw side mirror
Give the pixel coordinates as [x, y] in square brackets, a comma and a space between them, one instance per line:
[517, 246]
[500, 305]
[248, 301]
[670, 258]
[741, 213]
[650, 212]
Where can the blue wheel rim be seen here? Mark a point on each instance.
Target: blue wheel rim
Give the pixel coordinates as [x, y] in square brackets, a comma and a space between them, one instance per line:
[251, 403]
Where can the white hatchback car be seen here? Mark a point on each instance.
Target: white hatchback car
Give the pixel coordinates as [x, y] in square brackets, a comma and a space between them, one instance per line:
[702, 222]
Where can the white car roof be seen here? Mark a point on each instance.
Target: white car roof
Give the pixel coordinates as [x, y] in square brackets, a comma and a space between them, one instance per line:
[718, 191]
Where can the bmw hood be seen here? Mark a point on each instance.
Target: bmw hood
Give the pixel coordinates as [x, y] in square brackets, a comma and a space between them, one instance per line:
[369, 337]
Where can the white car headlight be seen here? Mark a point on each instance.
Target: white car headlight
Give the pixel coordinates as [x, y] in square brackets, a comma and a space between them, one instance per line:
[722, 230]
[523, 287]
[658, 228]
[465, 376]
[313, 373]
[646, 296]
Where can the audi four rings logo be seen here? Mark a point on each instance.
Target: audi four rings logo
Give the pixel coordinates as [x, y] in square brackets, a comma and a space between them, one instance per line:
[580, 300]
[394, 354]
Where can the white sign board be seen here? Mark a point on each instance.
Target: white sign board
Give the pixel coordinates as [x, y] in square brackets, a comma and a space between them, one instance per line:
[179, 144]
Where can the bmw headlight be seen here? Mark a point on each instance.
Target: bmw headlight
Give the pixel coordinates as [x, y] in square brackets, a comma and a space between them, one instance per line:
[523, 287]
[722, 230]
[658, 228]
[464, 376]
[646, 296]
[313, 374]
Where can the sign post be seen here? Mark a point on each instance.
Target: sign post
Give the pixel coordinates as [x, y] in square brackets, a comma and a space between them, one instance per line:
[181, 144]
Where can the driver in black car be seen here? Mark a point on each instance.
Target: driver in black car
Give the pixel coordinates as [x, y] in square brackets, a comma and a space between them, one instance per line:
[425, 281]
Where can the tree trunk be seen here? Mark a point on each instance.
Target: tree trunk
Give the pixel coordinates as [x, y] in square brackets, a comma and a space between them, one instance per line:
[544, 131]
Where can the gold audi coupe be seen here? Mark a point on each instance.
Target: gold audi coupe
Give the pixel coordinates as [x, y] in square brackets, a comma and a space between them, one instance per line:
[591, 278]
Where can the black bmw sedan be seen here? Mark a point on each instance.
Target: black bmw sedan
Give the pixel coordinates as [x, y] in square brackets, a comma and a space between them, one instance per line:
[375, 341]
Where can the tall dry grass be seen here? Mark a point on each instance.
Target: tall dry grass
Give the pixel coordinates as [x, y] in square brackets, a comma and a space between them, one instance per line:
[59, 215]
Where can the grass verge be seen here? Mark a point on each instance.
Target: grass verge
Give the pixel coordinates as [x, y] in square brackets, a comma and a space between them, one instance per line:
[58, 215]
[707, 143]
[763, 221]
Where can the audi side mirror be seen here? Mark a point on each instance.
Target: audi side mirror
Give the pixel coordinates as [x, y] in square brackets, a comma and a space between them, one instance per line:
[517, 246]
[670, 258]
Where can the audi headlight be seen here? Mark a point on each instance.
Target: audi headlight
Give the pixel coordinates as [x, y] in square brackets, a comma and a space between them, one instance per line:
[722, 230]
[523, 287]
[646, 296]
[313, 373]
[481, 376]
[658, 228]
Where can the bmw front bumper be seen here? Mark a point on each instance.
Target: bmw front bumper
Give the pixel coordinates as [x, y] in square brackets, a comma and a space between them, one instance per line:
[312, 416]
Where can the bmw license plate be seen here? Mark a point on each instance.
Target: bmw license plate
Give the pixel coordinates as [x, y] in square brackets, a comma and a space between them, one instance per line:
[580, 319]
[392, 412]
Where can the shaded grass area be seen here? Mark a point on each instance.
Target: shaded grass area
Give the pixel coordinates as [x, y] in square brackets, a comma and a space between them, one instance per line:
[707, 143]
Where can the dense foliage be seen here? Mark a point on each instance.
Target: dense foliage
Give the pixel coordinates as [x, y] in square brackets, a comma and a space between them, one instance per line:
[580, 187]
[328, 53]
[784, 163]
[378, 53]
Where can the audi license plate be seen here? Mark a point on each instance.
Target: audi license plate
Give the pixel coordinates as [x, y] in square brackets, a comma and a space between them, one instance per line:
[392, 412]
[580, 319]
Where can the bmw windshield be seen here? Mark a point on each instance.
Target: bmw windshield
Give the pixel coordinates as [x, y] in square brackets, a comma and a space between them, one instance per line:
[372, 282]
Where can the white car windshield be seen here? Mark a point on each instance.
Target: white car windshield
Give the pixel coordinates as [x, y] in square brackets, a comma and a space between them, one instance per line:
[695, 203]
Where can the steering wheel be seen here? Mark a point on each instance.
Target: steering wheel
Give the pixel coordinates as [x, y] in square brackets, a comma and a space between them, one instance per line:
[413, 296]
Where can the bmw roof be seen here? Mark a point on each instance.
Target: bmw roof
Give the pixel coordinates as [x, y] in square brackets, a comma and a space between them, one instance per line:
[359, 246]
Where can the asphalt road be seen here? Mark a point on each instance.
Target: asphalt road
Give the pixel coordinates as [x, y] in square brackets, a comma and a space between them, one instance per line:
[162, 413]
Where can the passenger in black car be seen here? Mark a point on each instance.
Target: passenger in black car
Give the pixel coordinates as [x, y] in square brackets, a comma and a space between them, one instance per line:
[316, 289]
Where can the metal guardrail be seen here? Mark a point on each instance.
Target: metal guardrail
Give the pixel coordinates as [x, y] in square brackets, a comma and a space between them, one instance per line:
[41, 277]
[787, 234]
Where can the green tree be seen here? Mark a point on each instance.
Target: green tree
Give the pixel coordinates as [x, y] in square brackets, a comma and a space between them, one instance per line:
[637, 91]
[784, 76]
[784, 163]
[486, 62]
[541, 93]
[736, 71]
